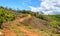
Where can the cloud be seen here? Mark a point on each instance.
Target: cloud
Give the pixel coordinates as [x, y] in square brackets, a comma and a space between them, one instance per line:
[34, 9]
[48, 7]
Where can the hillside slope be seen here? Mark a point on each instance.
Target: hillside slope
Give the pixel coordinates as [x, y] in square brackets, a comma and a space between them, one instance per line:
[16, 22]
[28, 23]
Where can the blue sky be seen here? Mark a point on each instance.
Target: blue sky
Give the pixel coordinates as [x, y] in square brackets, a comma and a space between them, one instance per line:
[45, 6]
[20, 4]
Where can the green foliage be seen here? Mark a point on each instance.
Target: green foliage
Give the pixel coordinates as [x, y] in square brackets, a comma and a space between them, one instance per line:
[23, 15]
[9, 15]
[55, 17]
[55, 21]
[29, 27]
[54, 24]
[6, 15]
[36, 14]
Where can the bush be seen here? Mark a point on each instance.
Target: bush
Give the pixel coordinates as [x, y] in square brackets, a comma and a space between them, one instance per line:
[6, 15]
[54, 24]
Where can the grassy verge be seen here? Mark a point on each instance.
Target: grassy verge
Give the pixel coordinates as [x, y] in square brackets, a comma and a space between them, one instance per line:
[45, 32]
[0, 30]
[17, 31]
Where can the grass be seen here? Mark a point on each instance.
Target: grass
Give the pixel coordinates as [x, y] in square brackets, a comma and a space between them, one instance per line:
[0, 29]
[45, 32]
[17, 31]
[31, 28]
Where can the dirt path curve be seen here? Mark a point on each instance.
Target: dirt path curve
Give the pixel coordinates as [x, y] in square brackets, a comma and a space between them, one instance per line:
[29, 33]
[7, 29]
[10, 32]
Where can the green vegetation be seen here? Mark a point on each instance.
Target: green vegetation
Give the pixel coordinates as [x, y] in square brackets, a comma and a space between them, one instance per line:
[55, 17]
[54, 24]
[6, 15]
[36, 14]
[40, 20]
[55, 21]
[45, 32]
[17, 31]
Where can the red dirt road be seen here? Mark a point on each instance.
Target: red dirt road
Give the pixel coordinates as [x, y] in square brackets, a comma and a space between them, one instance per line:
[10, 32]
[29, 33]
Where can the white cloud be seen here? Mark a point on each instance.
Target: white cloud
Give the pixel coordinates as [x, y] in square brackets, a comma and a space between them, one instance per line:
[48, 7]
[34, 9]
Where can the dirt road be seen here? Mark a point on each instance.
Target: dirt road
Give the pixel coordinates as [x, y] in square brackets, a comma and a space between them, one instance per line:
[10, 32]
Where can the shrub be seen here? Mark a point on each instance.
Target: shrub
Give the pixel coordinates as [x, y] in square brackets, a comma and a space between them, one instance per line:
[6, 15]
[54, 24]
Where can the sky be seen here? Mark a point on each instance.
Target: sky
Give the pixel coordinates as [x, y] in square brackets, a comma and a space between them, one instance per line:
[45, 6]
[20, 4]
